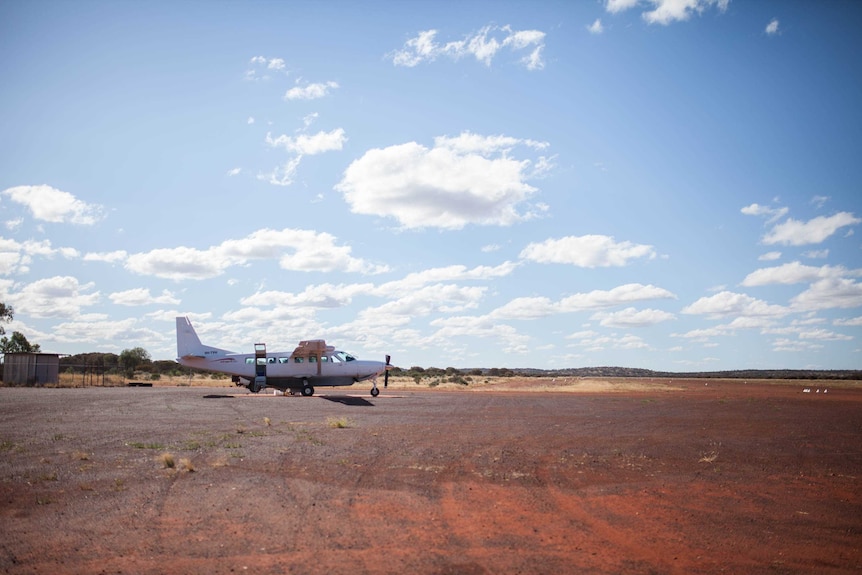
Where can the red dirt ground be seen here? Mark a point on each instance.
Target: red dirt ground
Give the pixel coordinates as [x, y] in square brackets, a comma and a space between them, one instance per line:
[704, 477]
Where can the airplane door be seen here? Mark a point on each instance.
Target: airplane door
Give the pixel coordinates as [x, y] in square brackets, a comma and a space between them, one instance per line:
[259, 366]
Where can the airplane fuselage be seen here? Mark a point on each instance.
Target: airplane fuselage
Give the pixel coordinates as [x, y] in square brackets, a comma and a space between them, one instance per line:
[312, 363]
[283, 371]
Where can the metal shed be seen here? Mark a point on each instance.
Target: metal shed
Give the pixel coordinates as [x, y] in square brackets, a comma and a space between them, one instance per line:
[31, 368]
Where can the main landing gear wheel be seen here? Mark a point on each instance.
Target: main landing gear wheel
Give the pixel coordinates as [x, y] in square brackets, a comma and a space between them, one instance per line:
[375, 392]
[307, 390]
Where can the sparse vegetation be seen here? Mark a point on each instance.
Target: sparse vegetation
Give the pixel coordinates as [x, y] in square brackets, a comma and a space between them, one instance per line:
[140, 445]
[167, 460]
[338, 422]
[708, 457]
[186, 465]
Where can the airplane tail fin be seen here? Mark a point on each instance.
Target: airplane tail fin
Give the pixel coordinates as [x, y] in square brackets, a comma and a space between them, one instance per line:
[189, 344]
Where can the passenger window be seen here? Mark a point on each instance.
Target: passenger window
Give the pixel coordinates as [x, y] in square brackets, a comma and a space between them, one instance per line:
[312, 359]
[324, 358]
[249, 360]
[283, 359]
[270, 360]
[297, 359]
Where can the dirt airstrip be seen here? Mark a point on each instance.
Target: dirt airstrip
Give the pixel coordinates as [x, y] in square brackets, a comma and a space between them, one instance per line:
[662, 477]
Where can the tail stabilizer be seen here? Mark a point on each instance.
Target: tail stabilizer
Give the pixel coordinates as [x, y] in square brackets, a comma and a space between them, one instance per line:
[189, 344]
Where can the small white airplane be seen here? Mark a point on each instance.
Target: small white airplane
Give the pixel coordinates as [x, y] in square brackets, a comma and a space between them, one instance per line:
[312, 362]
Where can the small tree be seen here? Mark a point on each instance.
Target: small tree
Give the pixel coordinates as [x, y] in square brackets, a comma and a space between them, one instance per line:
[130, 359]
[6, 312]
[18, 344]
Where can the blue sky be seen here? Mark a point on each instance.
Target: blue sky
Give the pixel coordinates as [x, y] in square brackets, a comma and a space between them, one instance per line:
[664, 184]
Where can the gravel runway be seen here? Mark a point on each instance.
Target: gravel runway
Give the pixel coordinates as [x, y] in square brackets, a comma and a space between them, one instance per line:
[724, 478]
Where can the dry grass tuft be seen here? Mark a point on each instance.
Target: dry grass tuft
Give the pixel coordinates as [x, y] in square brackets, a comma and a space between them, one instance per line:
[220, 461]
[167, 460]
[267, 421]
[338, 422]
[186, 465]
[708, 457]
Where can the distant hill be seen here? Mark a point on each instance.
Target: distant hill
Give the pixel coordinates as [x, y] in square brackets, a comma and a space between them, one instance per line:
[837, 374]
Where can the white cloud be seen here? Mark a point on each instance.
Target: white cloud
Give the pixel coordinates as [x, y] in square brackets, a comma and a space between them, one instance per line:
[770, 256]
[417, 50]
[16, 257]
[58, 296]
[98, 329]
[823, 335]
[55, 206]
[416, 280]
[829, 293]
[614, 6]
[263, 63]
[587, 251]
[528, 308]
[816, 254]
[820, 201]
[632, 317]
[725, 304]
[305, 144]
[796, 233]
[234, 172]
[850, 322]
[791, 273]
[593, 341]
[619, 295]
[250, 120]
[596, 27]
[482, 327]
[142, 296]
[298, 250]
[758, 210]
[317, 296]
[310, 91]
[301, 145]
[794, 346]
[483, 45]
[772, 27]
[465, 180]
[108, 257]
[282, 175]
[667, 11]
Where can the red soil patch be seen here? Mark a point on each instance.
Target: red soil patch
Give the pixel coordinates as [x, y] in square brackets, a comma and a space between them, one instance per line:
[720, 478]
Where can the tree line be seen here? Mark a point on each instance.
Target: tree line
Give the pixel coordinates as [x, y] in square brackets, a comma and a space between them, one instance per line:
[18, 342]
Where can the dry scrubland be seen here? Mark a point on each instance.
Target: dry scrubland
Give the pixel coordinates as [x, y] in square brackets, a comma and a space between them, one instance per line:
[679, 477]
[478, 383]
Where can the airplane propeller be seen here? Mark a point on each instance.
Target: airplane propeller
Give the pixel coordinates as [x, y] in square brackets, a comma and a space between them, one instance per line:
[386, 373]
